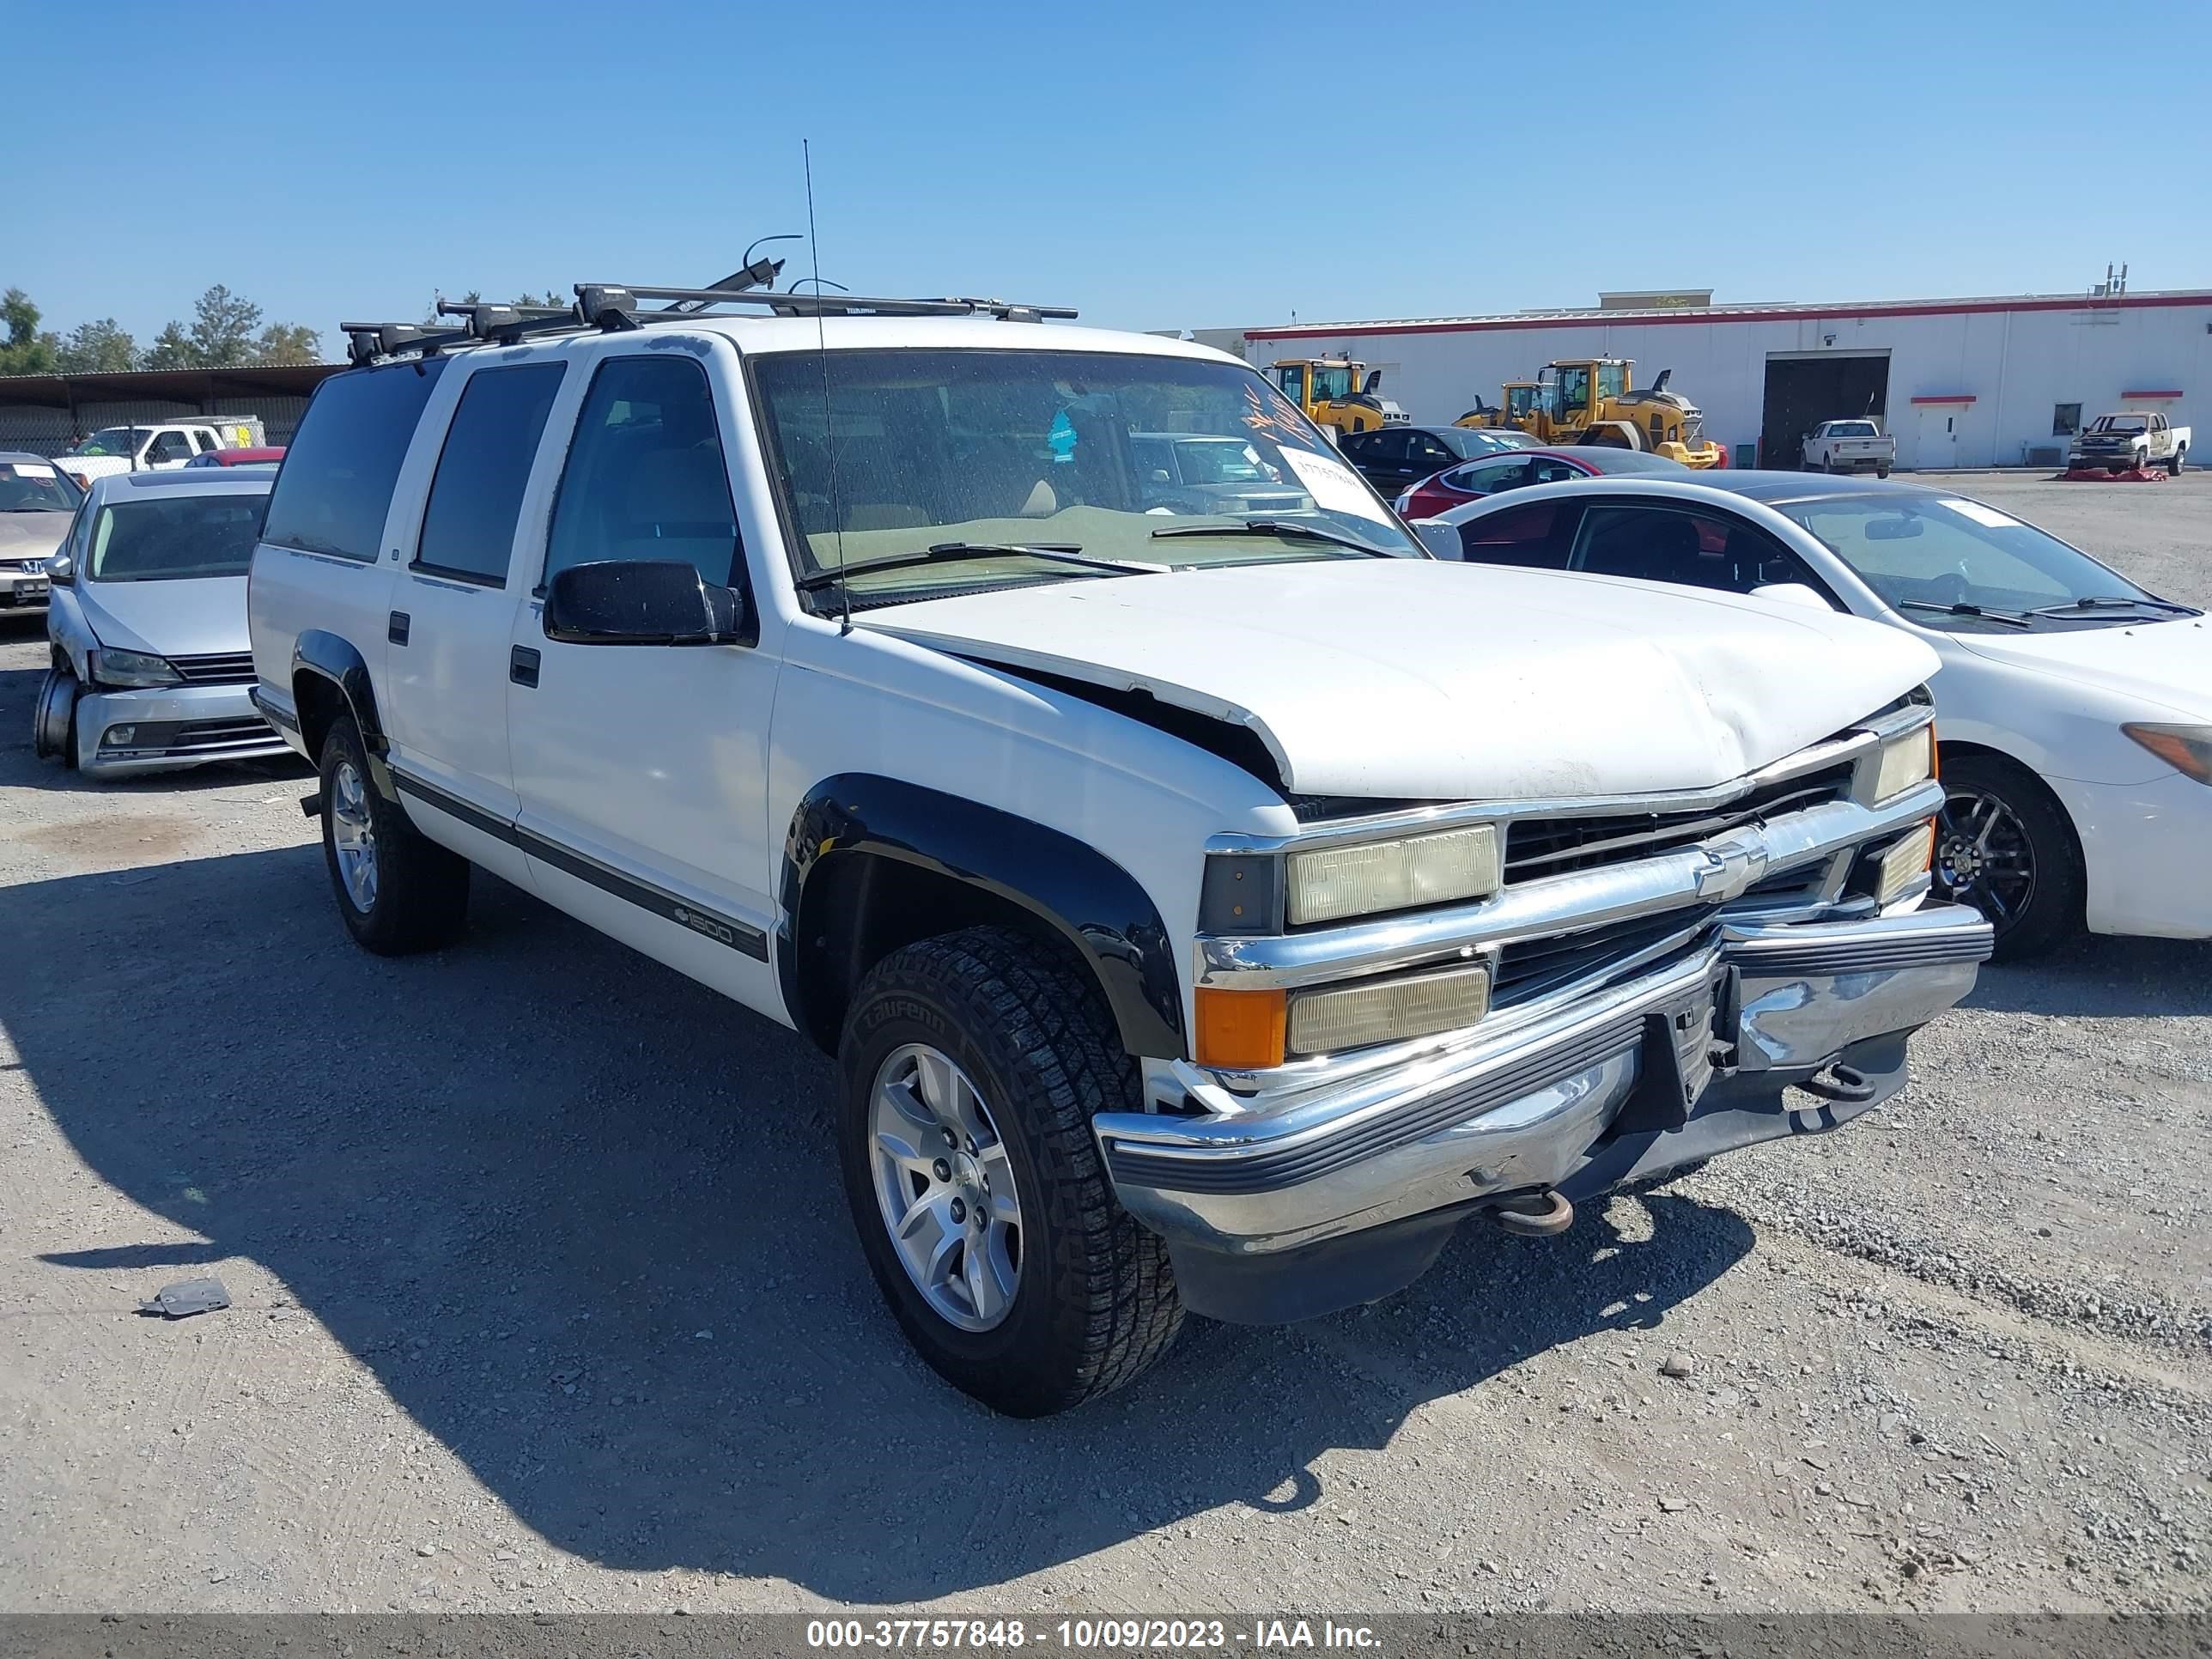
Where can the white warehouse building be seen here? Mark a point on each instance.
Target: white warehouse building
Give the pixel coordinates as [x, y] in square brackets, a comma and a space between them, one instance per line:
[1962, 383]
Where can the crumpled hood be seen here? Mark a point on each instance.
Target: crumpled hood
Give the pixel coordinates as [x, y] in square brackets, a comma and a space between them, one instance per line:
[2168, 664]
[189, 618]
[32, 535]
[1427, 680]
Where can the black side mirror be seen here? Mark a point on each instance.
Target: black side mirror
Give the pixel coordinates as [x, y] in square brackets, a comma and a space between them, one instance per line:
[635, 602]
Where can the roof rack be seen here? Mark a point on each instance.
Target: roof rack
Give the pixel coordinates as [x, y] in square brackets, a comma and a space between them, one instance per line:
[615, 304]
[614, 307]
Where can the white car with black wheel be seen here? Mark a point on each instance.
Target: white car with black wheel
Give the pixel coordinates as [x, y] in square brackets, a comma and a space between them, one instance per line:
[2075, 707]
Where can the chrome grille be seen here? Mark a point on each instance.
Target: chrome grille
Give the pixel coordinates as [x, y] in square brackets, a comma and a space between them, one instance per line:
[1535, 848]
[1534, 968]
[217, 668]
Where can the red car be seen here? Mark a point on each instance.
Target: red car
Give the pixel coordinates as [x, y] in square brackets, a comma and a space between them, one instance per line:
[1473, 480]
[238, 457]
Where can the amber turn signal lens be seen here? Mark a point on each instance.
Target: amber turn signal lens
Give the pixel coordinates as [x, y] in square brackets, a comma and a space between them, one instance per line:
[1241, 1031]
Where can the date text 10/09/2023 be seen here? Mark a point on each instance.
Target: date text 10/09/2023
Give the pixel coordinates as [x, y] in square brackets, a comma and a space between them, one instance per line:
[1081, 1635]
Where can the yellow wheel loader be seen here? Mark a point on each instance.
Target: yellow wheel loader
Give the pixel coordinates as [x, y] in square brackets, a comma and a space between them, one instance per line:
[1592, 400]
[1336, 392]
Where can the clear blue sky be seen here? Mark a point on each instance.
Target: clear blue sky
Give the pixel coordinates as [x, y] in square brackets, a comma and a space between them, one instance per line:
[1157, 165]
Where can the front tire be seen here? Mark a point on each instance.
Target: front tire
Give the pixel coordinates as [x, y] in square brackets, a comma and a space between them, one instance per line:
[2005, 845]
[969, 1069]
[53, 716]
[398, 892]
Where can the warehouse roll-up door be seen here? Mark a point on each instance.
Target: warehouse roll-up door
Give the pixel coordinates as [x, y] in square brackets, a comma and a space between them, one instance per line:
[1804, 390]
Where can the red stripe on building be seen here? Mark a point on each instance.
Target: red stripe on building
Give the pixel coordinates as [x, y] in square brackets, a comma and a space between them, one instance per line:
[1781, 314]
[1948, 398]
[2151, 394]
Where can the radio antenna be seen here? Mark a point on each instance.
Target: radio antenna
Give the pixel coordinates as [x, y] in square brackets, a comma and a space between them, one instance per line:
[828, 437]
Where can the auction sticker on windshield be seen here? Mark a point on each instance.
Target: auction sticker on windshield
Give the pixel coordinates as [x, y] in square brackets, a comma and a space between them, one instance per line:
[1978, 513]
[1335, 487]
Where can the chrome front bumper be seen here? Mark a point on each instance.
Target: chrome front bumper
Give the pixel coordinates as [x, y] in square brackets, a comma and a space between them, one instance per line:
[1684, 1061]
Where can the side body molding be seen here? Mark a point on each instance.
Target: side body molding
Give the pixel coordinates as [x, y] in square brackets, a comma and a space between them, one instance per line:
[1062, 884]
[327, 657]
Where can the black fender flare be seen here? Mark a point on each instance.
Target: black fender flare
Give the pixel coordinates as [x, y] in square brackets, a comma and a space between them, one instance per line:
[1072, 889]
[335, 659]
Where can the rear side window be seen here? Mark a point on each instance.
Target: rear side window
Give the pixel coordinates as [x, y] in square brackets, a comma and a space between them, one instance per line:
[468, 528]
[336, 485]
[645, 478]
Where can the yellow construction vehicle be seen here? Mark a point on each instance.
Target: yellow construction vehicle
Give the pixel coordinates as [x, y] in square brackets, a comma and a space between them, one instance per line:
[1337, 392]
[1592, 400]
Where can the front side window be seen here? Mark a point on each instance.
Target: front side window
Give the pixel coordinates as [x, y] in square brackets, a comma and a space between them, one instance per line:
[1931, 555]
[178, 539]
[1490, 477]
[645, 478]
[914, 456]
[1292, 378]
[336, 486]
[468, 527]
[1573, 389]
[1526, 535]
[1692, 549]
[168, 446]
[1612, 380]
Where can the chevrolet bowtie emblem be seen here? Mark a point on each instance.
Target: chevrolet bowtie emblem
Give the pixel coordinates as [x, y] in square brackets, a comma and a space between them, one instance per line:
[1731, 868]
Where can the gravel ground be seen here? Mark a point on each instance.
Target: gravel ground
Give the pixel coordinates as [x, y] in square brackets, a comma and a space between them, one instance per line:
[544, 1296]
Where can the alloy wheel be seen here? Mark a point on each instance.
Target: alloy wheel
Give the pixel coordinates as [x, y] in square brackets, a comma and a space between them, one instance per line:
[945, 1188]
[353, 835]
[1983, 857]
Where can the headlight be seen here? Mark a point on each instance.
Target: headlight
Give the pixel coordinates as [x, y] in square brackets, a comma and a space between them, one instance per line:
[1910, 760]
[1363, 877]
[1388, 1010]
[2186, 748]
[131, 668]
[1899, 869]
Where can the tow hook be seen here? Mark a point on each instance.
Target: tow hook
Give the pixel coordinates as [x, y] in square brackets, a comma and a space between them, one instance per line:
[1840, 1083]
[1539, 1215]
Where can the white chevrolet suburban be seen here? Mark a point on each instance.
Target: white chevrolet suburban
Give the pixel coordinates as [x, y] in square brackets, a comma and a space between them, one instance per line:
[1207, 908]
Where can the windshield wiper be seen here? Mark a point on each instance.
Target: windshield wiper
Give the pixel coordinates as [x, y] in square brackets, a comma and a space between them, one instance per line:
[952, 552]
[2114, 602]
[1288, 529]
[2010, 618]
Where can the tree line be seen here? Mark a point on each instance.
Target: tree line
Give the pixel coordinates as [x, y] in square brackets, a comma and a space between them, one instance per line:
[226, 331]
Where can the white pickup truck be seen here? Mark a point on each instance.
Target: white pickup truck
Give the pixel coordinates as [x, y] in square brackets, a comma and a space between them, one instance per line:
[2130, 440]
[157, 448]
[1207, 908]
[1849, 447]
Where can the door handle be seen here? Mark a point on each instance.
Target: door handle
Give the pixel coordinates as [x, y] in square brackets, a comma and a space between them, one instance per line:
[522, 665]
[395, 629]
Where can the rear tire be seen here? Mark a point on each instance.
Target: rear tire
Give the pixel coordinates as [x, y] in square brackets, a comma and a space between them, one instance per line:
[2173, 466]
[1882, 472]
[1002, 1045]
[2005, 846]
[398, 891]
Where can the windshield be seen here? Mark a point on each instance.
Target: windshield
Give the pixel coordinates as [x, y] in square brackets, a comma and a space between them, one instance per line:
[1332, 380]
[1222, 460]
[2121, 423]
[1003, 448]
[1851, 430]
[36, 487]
[112, 441]
[172, 540]
[1943, 552]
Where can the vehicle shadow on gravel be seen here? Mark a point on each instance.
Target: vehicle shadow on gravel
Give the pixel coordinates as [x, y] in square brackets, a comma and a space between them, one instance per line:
[2100, 977]
[582, 1220]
